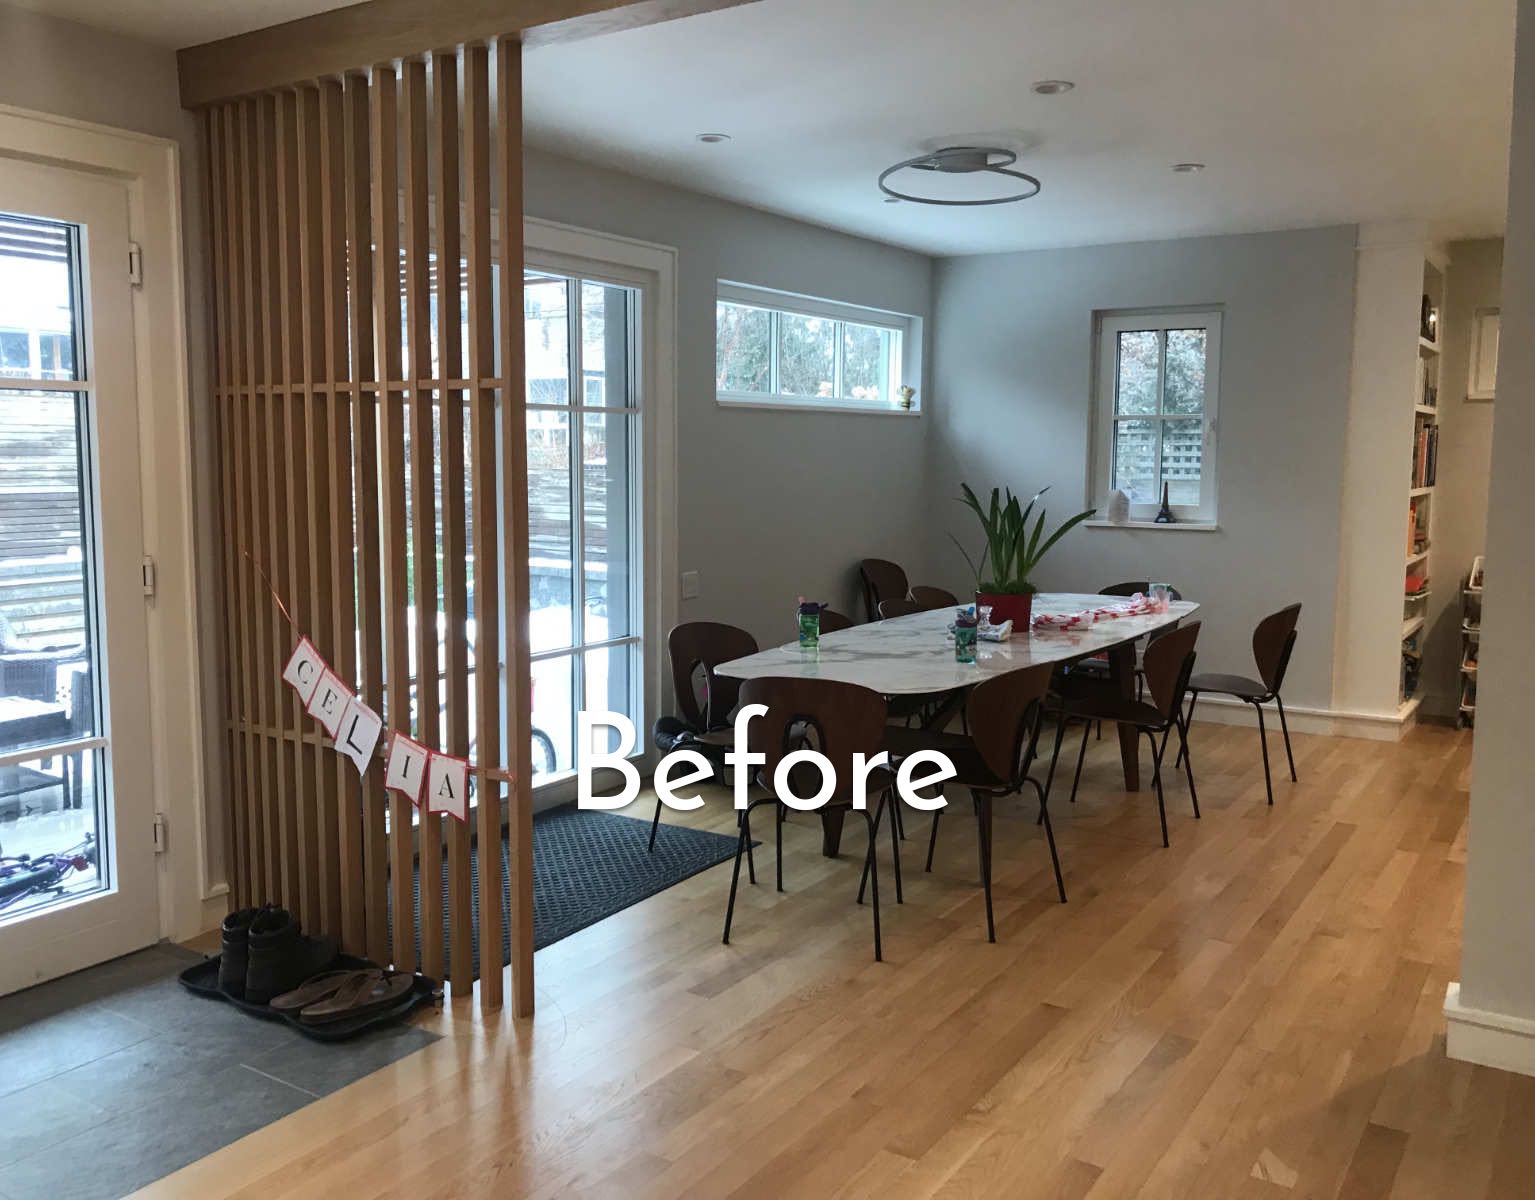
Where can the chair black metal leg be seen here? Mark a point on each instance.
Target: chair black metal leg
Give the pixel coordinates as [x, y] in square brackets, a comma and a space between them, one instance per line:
[744, 820]
[1055, 861]
[778, 830]
[1188, 763]
[1188, 717]
[735, 878]
[1285, 726]
[895, 847]
[1081, 755]
[1156, 778]
[932, 840]
[983, 840]
[899, 821]
[873, 869]
[1055, 756]
[1263, 738]
[654, 825]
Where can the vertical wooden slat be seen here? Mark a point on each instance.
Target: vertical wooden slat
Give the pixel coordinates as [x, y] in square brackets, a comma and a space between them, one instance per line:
[288, 528]
[415, 184]
[455, 600]
[341, 899]
[384, 133]
[478, 168]
[373, 885]
[514, 503]
[317, 803]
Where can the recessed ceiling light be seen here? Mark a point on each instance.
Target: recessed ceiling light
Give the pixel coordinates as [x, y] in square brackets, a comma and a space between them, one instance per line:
[711, 138]
[1052, 87]
[1188, 168]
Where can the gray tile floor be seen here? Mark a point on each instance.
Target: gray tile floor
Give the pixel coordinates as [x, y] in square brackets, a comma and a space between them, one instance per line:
[116, 1076]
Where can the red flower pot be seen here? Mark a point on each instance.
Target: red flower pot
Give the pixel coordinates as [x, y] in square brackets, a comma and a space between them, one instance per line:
[1009, 606]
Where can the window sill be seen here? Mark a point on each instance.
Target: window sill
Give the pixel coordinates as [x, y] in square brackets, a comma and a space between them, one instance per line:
[829, 406]
[1175, 527]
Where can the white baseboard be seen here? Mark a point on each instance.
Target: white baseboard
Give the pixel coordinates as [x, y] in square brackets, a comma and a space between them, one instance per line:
[1490, 1039]
[1222, 710]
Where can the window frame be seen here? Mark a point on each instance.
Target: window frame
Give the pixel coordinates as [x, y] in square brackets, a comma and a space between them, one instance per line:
[1108, 325]
[905, 357]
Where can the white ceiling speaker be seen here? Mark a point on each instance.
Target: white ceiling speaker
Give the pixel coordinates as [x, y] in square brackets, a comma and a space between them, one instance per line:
[976, 161]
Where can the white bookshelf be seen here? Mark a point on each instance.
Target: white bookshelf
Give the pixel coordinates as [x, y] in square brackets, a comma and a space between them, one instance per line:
[1470, 641]
[1420, 496]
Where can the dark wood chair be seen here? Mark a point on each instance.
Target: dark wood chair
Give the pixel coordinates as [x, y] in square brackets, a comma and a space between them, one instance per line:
[1004, 715]
[839, 720]
[1273, 642]
[929, 598]
[898, 608]
[882, 580]
[834, 622]
[704, 700]
[1168, 664]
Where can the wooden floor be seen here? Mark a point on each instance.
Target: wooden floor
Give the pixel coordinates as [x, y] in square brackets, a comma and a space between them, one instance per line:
[1252, 1013]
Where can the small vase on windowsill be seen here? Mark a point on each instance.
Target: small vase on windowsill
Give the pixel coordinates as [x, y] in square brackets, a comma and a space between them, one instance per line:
[1165, 513]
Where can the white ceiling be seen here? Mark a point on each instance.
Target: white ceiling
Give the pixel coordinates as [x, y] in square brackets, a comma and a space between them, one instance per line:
[1307, 112]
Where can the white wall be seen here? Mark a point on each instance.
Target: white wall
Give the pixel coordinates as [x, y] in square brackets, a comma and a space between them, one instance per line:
[1498, 947]
[773, 504]
[1012, 400]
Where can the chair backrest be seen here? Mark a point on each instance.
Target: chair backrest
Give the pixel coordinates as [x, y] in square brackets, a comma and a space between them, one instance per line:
[1168, 663]
[882, 580]
[837, 719]
[898, 608]
[1273, 640]
[834, 622]
[1131, 586]
[934, 597]
[1002, 713]
[696, 648]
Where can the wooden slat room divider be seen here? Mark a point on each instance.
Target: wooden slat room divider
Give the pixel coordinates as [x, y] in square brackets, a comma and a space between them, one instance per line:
[369, 418]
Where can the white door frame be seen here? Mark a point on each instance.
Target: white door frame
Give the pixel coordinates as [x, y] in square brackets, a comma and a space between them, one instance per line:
[652, 269]
[189, 900]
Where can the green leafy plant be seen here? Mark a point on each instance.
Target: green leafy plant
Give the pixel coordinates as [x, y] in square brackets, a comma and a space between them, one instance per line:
[1013, 547]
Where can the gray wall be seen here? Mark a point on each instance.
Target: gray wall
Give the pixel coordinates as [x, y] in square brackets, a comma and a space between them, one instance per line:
[1465, 453]
[1498, 940]
[772, 504]
[1012, 404]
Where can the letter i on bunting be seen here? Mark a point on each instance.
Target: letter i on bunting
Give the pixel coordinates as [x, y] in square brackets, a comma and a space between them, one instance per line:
[360, 731]
[447, 786]
[304, 669]
[405, 769]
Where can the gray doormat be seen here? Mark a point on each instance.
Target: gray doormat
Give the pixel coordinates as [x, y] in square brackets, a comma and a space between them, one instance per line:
[589, 865]
[116, 1076]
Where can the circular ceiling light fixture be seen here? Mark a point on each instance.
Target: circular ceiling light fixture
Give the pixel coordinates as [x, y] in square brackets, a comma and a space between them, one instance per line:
[1051, 87]
[710, 139]
[978, 161]
[1188, 168]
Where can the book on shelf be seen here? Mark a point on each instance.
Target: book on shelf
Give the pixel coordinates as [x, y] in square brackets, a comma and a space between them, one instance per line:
[1425, 455]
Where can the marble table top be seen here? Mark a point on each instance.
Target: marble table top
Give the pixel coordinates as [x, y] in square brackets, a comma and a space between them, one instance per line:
[915, 654]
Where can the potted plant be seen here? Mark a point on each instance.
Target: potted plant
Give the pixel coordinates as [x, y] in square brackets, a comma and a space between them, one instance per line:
[1013, 550]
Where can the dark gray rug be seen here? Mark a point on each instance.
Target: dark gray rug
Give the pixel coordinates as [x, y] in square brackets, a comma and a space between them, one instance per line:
[589, 865]
[116, 1076]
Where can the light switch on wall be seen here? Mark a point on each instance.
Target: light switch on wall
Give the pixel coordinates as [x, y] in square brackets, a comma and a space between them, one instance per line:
[690, 585]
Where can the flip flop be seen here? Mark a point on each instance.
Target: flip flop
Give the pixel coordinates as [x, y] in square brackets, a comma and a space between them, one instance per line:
[319, 987]
[359, 997]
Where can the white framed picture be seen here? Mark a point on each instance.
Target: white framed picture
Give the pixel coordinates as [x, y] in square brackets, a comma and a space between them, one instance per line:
[1483, 378]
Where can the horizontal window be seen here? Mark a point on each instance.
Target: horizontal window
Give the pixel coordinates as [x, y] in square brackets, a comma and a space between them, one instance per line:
[772, 348]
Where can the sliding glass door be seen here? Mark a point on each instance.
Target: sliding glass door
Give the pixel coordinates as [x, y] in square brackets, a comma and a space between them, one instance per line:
[584, 541]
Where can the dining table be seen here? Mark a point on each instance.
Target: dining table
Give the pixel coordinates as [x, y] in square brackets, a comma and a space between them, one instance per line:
[914, 655]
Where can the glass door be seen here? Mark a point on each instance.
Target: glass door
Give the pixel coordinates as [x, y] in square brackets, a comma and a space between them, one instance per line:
[76, 824]
[586, 608]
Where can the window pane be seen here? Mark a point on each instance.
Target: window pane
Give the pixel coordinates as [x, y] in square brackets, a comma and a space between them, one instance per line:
[866, 352]
[37, 322]
[604, 345]
[546, 334]
[1182, 454]
[549, 530]
[742, 348]
[1135, 460]
[606, 587]
[1136, 382]
[553, 714]
[610, 686]
[52, 810]
[1185, 385]
[807, 353]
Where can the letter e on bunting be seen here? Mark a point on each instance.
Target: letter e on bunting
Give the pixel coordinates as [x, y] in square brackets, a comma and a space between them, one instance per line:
[329, 702]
